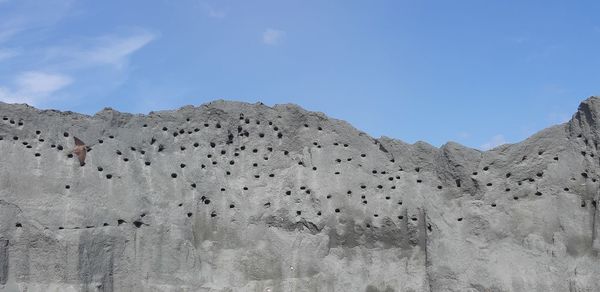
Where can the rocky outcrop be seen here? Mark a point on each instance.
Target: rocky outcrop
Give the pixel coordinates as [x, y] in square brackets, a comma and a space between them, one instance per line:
[232, 196]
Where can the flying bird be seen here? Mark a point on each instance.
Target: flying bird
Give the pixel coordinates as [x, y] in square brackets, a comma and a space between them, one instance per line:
[80, 150]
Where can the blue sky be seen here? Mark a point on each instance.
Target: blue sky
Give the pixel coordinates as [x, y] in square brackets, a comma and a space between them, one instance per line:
[480, 73]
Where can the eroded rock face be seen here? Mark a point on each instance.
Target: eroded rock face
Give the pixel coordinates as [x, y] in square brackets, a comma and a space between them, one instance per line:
[232, 196]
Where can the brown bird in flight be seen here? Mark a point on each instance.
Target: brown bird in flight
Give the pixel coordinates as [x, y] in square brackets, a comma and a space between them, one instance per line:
[80, 150]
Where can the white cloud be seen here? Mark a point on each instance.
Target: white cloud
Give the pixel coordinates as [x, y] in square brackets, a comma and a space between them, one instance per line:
[114, 50]
[497, 140]
[214, 13]
[36, 82]
[34, 86]
[272, 36]
[7, 53]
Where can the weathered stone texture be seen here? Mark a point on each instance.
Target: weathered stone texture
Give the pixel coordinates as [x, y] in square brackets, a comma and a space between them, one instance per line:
[231, 196]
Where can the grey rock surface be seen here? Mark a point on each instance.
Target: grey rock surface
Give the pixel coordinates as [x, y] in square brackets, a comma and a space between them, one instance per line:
[232, 196]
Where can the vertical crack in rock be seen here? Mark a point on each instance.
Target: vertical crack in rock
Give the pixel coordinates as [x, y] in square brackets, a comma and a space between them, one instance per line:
[4, 261]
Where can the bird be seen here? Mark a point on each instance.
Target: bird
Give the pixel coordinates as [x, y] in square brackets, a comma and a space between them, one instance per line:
[80, 150]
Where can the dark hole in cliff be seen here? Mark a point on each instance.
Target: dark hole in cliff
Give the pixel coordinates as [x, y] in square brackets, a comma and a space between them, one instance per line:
[594, 203]
[161, 147]
[182, 165]
[245, 188]
[494, 205]
[137, 224]
[111, 137]
[147, 163]
[566, 189]
[120, 221]
[256, 176]
[539, 174]
[109, 176]
[417, 169]
[337, 172]
[363, 186]
[486, 168]
[349, 192]
[255, 164]
[458, 183]
[193, 185]
[375, 215]
[540, 152]
[538, 194]
[222, 189]
[419, 181]
[12, 122]
[459, 219]
[584, 174]
[70, 155]
[119, 152]
[37, 154]
[15, 138]
[180, 204]
[363, 155]
[175, 134]
[507, 190]
[59, 147]
[314, 168]
[288, 192]
[181, 131]
[300, 163]
[379, 186]
[189, 214]
[298, 212]
[583, 204]
[66, 134]
[213, 214]
[173, 175]
[515, 198]
[67, 187]
[489, 184]
[105, 224]
[182, 148]
[218, 126]
[18, 225]
[583, 153]
[400, 217]
[100, 168]
[413, 218]
[20, 123]
[125, 159]
[231, 206]
[337, 210]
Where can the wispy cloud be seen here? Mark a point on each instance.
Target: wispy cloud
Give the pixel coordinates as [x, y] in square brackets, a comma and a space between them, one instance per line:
[114, 50]
[497, 140]
[108, 50]
[272, 36]
[33, 86]
[215, 13]
[31, 15]
[6, 54]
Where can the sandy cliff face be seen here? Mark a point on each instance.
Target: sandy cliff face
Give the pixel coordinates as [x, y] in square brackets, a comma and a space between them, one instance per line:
[243, 197]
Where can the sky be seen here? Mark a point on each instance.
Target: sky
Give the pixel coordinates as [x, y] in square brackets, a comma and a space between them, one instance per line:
[480, 73]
